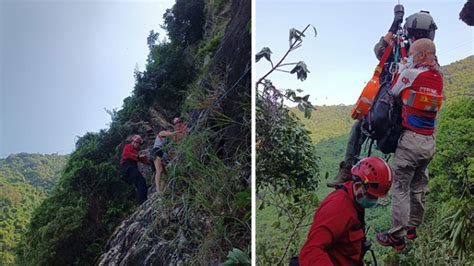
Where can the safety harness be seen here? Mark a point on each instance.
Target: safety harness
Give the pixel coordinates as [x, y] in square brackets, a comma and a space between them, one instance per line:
[366, 243]
[366, 99]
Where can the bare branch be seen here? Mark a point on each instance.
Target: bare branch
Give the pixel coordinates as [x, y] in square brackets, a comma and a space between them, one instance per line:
[281, 70]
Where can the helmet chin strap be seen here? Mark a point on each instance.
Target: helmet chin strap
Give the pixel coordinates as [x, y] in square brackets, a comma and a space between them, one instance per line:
[357, 194]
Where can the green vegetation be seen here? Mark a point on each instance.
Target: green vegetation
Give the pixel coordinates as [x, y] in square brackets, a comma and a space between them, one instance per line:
[87, 203]
[459, 79]
[286, 179]
[212, 197]
[210, 47]
[287, 164]
[25, 180]
[72, 226]
[446, 236]
[327, 121]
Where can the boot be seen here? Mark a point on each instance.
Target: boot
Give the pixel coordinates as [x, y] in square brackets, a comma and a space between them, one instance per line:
[411, 232]
[386, 239]
[342, 176]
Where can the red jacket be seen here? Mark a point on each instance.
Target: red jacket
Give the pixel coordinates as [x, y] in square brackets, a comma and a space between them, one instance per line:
[129, 153]
[336, 235]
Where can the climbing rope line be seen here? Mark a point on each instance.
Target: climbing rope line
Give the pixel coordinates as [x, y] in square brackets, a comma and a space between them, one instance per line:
[206, 112]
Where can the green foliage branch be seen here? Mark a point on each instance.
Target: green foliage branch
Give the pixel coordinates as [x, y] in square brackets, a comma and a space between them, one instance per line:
[287, 164]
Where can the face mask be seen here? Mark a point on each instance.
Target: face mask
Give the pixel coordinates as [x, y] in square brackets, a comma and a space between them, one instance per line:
[364, 202]
[410, 61]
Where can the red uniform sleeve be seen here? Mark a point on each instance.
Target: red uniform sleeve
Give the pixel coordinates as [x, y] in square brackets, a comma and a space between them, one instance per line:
[330, 223]
[129, 153]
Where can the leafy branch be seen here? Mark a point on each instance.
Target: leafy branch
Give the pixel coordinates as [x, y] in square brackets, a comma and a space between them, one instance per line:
[287, 161]
[300, 68]
[295, 40]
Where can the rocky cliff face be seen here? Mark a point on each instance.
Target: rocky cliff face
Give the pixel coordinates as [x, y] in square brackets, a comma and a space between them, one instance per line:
[180, 224]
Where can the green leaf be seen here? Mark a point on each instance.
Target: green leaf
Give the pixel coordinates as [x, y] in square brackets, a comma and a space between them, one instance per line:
[301, 70]
[237, 257]
[276, 224]
[307, 113]
[296, 35]
[242, 199]
[265, 52]
[301, 107]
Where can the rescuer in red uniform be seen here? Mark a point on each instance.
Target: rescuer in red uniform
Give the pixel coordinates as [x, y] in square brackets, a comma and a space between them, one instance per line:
[337, 234]
[129, 166]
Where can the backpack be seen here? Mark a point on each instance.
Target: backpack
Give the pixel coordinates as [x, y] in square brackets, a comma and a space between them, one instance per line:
[383, 122]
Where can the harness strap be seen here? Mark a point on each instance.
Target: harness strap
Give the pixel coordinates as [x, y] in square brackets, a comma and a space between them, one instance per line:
[386, 54]
[403, 49]
[370, 147]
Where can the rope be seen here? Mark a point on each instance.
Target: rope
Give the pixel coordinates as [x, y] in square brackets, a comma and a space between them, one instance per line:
[374, 259]
[206, 112]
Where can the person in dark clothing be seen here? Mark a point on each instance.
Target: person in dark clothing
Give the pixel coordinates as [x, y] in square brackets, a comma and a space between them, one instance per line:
[417, 26]
[129, 166]
[337, 234]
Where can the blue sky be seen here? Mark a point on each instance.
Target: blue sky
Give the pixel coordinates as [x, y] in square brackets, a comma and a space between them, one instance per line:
[63, 62]
[341, 57]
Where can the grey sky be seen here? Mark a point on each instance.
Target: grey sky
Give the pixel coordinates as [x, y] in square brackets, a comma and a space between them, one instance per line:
[63, 62]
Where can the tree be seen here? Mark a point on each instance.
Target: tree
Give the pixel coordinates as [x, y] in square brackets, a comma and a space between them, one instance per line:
[287, 165]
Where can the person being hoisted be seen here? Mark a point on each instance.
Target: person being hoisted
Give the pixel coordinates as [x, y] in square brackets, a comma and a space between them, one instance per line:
[417, 26]
[420, 87]
[129, 166]
[337, 235]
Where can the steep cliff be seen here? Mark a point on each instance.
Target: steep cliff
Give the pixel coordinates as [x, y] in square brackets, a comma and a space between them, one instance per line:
[202, 74]
[166, 231]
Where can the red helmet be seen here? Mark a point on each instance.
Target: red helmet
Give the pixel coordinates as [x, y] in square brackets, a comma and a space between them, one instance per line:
[375, 173]
[137, 138]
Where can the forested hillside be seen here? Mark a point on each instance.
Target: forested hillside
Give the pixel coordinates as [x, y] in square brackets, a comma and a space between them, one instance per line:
[327, 121]
[25, 180]
[200, 72]
[458, 79]
[446, 237]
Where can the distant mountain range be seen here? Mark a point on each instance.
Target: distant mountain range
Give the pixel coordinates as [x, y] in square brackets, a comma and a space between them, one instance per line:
[25, 180]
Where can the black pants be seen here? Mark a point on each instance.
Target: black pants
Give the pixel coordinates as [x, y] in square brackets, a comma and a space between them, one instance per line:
[354, 145]
[133, 176]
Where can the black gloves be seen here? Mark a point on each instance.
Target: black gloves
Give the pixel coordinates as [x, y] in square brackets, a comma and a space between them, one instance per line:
[397, 19]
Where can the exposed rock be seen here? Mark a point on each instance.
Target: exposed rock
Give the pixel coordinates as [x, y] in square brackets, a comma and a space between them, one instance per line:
[131, 245]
